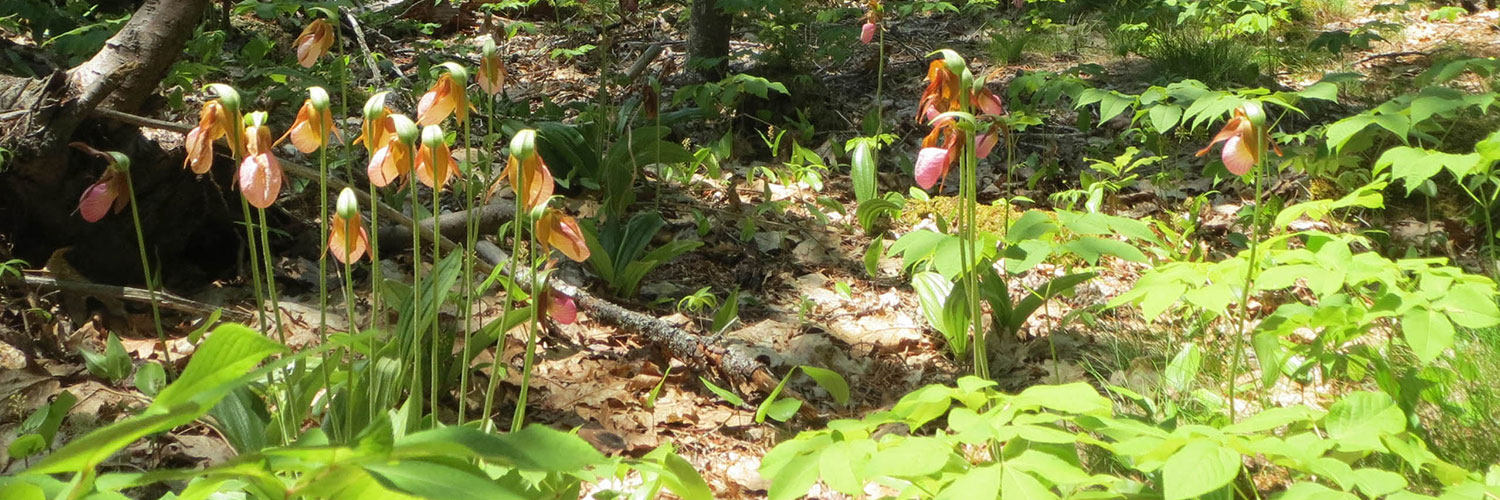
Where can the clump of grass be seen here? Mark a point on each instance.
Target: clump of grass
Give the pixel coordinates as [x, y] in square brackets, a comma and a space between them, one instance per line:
[1190, 53]
[1462, 428]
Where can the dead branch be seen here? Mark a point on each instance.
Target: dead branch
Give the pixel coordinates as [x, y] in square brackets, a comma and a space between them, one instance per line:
[701, 354]
[166, 300]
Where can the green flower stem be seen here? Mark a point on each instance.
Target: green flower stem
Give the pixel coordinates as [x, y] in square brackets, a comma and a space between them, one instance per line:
[265, 250]
[416, 292]
[323, 256]
[338, 47]
[969, 253]
[437, 256]
[1250, 272]
[879, 82]
[140, 240]
[519, 418]
[377, 316]
[377, 313]
[349, 429]
[260, 306]
[495, 366]
[265, 256]
[470, 235]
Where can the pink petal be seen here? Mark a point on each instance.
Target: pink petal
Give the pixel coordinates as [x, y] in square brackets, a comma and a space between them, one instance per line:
[986, 144]
[930, 165]
[562, 309]
[867, 33]
[260, 180]
[95, 202]
[990, 104]
[1237, 156]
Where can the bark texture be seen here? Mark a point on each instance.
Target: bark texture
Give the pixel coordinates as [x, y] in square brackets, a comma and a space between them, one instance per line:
[709, 38]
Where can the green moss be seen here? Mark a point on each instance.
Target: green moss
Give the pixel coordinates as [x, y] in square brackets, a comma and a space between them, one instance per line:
[992, 217]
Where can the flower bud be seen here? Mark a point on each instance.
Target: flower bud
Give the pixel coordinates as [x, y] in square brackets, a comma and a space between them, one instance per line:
[523, 145]
[1255, 113]
[460, 75]
[348, 205]
[406, 129]
[226, 96]
[375, 106]
[319, 98]
[432, 136]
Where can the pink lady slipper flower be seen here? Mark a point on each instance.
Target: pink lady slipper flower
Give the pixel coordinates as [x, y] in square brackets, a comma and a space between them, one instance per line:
[1245, 138]
[314, 41]
[314, 123]
[347, 238]
[220, 117]
[491, 70]
[435, 163]
[396, 155]
[260, 173]
[446, 96]
[111, 192]
[873, 14]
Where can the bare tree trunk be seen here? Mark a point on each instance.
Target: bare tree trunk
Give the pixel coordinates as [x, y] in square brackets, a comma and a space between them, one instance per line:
[711, 26]
[142, 52]
[40, 187]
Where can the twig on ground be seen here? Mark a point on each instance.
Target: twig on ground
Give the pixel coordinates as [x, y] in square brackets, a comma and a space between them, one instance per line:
[1392, 55]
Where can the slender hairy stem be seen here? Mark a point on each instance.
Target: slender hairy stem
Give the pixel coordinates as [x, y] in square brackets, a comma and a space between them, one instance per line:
[496, 366]
[531, 332]
[437, 303]
[343, 70]
[377, 315]
[353, 329]
[140, 240]
[471, 233]
[270, 276]
[1250, 272]
[260, 306]
[416, 295]
[265, 251]
[880, 82]
[969, 253]
[323, 267]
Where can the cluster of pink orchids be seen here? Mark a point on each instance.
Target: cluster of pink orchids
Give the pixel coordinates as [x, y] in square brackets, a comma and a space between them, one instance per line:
[398, 151]
[1245, 136]
[947, 93]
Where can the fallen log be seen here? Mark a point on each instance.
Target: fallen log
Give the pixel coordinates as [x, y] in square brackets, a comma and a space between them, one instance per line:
[700, 354]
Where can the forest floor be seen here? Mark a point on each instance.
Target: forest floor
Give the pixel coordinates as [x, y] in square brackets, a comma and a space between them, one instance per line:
[805, 297]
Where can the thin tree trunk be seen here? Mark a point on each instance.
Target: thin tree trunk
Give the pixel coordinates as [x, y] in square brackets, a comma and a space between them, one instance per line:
[709, 39]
